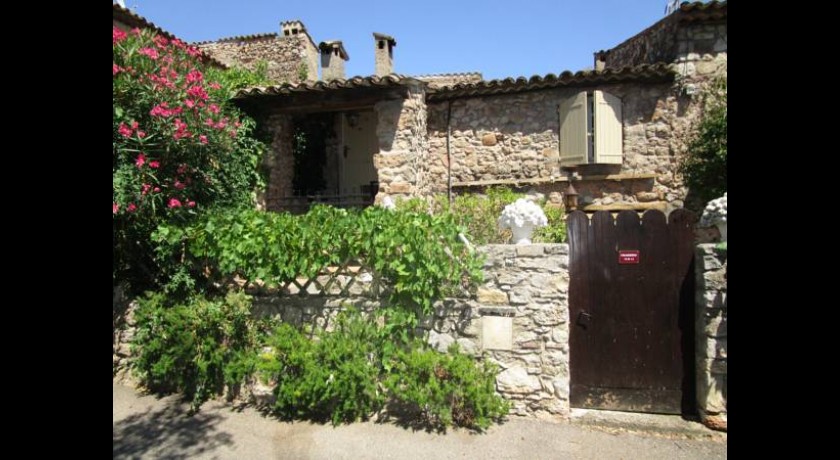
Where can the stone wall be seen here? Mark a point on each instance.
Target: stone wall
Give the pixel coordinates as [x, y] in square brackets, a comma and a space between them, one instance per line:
[696, 48]
[515, 137]
[285, 55]
[655, 44]
[701, 51]
[710, 324]
[402, 161]
[518, 320]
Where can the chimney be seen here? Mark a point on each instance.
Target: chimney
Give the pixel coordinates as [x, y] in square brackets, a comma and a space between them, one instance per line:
[306, 67]
[601, 60]
[333, 56]
[293, 27]
[384, 53]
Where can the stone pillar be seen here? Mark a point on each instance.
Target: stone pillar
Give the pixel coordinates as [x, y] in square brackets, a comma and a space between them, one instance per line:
[710, 332]
[384, 53]
[402, 161]
[519, 320]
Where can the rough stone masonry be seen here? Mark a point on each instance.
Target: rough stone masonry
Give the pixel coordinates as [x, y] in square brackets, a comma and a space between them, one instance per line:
[710, 324]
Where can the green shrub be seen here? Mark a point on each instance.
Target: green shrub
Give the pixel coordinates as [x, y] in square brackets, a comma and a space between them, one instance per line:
[447, 388]
[704, 165]
[195, 347]
[555, 232]
[333, 378]
[477, 215]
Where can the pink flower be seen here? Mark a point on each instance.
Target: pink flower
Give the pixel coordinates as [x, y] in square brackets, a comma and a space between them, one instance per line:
[156, 190]
[179, 185]
[191, 204]
[145, 189]
[131, 207]
[119, 35]
[124, 130]
[174, 203]
[160, 41]
[194, 76]
[136, 31]
[197, 92]
[189, 103]
[213, 108]
[141, 134]
[192, 51]
[134, 124]
[116, 68]
[215, 85]
[141, 160]
[181, 130]
[116, 206]
[151, 52]
[154, 164]
[203, 139]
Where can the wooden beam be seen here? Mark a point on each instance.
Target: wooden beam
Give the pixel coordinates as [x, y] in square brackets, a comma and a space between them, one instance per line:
[309, 101]
[552, 180]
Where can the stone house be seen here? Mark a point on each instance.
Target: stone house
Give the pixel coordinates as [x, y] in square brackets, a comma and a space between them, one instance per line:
[621, 126]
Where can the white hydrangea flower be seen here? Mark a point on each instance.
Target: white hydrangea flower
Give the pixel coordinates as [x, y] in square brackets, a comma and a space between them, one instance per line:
[522, 212]
[715, 212]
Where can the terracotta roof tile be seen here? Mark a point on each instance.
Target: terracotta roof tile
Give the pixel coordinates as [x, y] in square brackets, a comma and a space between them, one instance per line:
[337, 84]
[655, 72]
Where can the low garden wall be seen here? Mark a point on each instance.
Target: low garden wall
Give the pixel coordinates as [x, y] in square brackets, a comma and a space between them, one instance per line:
[518, 319]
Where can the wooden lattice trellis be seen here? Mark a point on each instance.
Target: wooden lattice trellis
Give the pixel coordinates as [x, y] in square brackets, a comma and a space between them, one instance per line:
[350, 278]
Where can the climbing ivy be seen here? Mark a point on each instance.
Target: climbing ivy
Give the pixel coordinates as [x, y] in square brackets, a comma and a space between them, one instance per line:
[704, 166]
[419, 256]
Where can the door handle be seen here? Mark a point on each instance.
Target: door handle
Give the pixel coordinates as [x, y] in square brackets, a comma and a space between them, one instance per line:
[583, 319]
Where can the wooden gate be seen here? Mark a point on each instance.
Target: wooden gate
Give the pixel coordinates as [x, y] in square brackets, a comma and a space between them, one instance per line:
[631, 298]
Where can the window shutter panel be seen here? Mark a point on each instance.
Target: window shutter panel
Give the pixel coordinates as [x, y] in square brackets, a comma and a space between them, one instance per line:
[573, 116]
[608, 137]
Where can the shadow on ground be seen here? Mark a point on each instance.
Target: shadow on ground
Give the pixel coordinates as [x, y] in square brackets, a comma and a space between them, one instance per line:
[171, 430]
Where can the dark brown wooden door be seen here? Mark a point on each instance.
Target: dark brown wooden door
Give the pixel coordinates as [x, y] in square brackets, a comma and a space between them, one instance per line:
[631, 332]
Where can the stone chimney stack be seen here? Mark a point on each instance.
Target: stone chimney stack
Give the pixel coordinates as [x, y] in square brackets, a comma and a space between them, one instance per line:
[333, 56]
[384, 54]
[301, 59]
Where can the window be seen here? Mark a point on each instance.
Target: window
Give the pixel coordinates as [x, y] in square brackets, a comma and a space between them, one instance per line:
[590, 129]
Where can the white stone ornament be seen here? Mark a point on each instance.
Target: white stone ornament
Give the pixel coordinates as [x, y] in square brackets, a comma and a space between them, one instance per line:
[522, 217]
[715, 215]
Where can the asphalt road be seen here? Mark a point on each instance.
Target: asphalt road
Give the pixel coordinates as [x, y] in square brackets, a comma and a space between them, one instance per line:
[148, 427]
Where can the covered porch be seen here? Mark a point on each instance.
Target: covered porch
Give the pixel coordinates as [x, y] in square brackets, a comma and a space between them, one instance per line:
[346, 143]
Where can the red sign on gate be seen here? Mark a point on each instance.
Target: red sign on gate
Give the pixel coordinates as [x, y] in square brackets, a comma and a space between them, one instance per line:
[628, 257]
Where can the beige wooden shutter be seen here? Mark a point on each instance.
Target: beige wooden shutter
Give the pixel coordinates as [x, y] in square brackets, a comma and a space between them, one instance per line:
[573, 139]
[608, 138]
